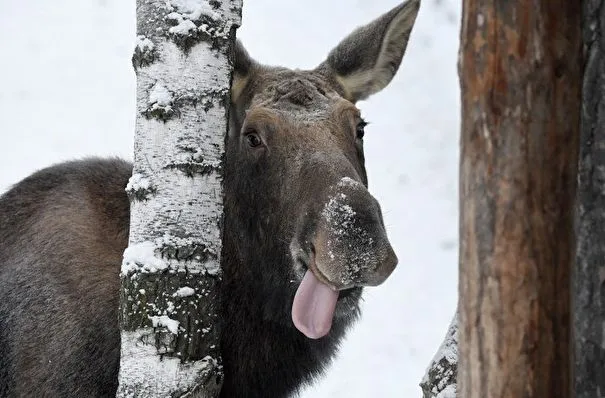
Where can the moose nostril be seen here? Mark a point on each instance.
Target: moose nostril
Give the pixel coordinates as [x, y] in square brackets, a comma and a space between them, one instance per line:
[388, 262]
[391, 260]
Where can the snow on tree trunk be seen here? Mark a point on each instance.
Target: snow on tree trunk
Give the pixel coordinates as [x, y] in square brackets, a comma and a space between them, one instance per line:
[171, 269]
[440, 378]
[520, 80]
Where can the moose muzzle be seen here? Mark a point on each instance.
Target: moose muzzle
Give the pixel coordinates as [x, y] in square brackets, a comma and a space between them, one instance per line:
[350, 248]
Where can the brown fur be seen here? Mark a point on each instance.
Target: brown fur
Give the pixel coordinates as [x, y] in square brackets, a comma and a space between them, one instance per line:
[63, 231]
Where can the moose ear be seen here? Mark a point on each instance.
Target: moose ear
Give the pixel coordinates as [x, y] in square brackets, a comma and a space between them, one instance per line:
[242, 69]
[366, 60]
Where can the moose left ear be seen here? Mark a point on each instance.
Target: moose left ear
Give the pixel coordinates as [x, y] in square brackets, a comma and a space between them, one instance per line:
[366, 60]
[243, 66]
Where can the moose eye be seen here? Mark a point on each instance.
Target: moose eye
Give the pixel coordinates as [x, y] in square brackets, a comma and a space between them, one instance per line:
[253, 139]
[360, 129]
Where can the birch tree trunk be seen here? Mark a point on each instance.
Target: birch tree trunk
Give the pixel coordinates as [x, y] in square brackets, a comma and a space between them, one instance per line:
[171, 269]
[520, 72]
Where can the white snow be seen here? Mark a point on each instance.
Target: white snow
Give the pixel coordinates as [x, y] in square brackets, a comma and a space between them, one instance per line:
[137, 182]
[164, 320]
[185, 291]
[448, 392]
[63, 98]
[448, 351]
[338, 214]
[175, 16]
[184, 28]
[194, 9]
[348, 181]
[160, 96]
[144, 44]
[142, 255]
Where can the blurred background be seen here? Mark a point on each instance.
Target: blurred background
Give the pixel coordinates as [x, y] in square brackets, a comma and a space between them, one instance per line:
[67, 90]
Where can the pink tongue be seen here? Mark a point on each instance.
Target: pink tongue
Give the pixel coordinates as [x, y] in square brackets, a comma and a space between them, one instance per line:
[313, 307]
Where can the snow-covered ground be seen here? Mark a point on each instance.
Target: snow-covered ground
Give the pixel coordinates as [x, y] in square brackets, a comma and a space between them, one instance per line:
[67, 90]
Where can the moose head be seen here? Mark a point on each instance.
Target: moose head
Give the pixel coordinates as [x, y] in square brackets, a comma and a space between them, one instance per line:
[300, 217]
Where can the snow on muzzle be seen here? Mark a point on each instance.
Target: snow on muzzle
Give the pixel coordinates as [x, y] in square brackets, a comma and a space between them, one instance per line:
[351, 244]
[351, 249]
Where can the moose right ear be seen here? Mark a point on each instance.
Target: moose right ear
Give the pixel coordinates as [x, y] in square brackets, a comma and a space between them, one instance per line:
[366, 60]
[242, 68]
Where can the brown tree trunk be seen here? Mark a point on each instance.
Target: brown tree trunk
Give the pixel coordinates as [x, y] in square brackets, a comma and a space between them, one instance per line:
[520, 72]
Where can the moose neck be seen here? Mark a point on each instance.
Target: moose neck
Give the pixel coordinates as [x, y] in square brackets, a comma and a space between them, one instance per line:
[256, 251]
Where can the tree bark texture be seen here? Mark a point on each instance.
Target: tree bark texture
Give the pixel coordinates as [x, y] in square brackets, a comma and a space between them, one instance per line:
[171, 269]
[520, 71]
[589, 306]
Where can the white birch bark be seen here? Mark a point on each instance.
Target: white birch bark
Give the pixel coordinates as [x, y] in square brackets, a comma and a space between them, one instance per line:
[171, 269]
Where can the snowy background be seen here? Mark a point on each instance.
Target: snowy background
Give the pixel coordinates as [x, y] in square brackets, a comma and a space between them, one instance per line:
[67, 90]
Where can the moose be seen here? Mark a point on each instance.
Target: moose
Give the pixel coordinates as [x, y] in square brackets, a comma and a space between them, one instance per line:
[294, 260]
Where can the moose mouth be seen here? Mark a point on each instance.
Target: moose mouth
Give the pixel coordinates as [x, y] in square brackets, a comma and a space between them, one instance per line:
[312, 266]
[315, 301]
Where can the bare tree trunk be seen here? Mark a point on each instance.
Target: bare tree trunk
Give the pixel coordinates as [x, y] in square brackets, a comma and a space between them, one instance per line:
[589, 306]
[589, 297]
[520, 72]
[171, 269]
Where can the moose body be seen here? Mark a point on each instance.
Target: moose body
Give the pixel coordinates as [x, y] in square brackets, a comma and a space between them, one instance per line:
[302, 235]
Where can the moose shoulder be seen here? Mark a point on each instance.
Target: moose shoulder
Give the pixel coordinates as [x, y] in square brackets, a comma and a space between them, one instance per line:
[302, 235]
